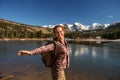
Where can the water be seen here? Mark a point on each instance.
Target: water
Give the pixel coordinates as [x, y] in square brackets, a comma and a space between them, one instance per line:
[88, 62]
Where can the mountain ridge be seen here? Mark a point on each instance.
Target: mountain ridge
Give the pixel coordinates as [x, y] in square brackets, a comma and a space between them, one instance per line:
[81, 27]
[9, 29]
[69, 27]
[30, 27]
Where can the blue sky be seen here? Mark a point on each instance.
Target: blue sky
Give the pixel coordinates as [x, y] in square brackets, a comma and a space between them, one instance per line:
[50, 12]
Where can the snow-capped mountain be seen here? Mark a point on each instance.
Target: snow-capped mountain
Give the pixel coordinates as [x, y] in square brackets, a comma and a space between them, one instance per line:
[106, 26]
[81, 27]
[96, 26]
[48, 26]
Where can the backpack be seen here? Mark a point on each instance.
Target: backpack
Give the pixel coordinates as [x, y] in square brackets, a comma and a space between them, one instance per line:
[48, 58]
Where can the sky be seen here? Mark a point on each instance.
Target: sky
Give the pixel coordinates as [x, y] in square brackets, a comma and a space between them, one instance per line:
[51, 12]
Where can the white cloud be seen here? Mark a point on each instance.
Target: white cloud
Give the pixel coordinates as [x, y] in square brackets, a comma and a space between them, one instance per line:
[110, 16]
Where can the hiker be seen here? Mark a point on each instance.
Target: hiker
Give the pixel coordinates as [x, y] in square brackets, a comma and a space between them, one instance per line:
[61, 54]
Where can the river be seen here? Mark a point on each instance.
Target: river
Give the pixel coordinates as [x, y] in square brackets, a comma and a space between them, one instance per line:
[87, 62]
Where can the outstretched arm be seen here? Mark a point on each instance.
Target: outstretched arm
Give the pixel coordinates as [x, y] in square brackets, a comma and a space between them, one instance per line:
[39, 50]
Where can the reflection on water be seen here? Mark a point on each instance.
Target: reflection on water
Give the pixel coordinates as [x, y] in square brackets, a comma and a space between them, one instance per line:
[102, 60]
[80, 50]
[92, 59]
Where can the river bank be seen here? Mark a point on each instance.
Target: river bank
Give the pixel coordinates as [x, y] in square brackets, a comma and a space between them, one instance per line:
[41, 39]
[96, 40]
[22, 39]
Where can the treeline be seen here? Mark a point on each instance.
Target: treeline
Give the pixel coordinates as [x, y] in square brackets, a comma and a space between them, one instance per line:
[106, 34]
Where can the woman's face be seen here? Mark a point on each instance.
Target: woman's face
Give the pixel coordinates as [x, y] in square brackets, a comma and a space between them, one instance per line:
[59, 33]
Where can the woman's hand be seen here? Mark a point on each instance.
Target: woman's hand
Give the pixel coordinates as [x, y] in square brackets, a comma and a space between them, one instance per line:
[23, 52]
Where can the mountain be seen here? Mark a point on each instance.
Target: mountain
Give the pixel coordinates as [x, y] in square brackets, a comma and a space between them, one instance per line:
[81, 27]
[97, 26]
[10, 29]
[46, 29]
[114, 26]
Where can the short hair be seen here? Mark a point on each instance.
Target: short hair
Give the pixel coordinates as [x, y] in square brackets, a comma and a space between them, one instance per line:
[56, 26]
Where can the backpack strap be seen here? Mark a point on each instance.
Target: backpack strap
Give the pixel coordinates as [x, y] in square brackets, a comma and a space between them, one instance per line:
[55, 46]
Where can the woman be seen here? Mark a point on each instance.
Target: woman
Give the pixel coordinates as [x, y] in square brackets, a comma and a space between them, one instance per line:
[62, 56]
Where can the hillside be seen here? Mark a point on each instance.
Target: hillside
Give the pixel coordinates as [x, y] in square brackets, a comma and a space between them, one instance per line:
[15, 26]
[9, 29]
[115, 26]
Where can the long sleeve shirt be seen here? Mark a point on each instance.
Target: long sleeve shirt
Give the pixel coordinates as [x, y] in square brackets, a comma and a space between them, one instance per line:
[42, 49]
[62, 56]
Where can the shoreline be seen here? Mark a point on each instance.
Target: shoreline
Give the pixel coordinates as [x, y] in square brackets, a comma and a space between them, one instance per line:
[96, 40]
[42, 39]
[23, 39]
